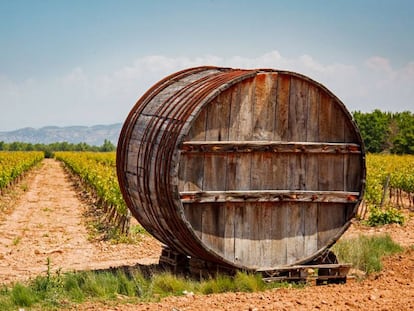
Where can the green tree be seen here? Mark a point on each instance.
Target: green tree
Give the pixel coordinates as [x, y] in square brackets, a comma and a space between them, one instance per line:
[16, 146]
[403, 141]
[107, 146]
[375, 129]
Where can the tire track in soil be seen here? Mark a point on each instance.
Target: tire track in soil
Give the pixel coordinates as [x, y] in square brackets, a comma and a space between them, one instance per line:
[47, 223]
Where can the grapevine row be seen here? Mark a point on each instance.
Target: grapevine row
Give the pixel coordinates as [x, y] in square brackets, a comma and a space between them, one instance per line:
[398, 170]
[14, 163]
[98, 172]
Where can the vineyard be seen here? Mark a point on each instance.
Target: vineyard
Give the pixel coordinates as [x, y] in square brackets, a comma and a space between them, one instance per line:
[392, 172]
[97, 172]
[14, 164]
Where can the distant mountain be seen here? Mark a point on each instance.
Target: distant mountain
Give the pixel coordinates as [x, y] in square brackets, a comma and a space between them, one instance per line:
[92, 135]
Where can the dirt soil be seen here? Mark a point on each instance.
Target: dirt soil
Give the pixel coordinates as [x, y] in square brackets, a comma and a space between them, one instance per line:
[45, 221]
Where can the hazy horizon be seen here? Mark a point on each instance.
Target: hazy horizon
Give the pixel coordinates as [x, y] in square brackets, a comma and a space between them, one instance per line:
[60, 126]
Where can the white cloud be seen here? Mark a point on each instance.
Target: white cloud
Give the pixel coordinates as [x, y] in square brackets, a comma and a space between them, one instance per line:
[391, 88]
[378, 63]
[81, 97]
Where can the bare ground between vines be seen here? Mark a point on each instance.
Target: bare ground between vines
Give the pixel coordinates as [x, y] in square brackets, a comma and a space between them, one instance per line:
[47, 224]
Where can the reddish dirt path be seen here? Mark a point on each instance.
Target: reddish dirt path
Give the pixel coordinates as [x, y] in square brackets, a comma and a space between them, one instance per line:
[47, 222]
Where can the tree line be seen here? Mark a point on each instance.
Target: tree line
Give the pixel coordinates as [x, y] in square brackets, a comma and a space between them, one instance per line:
[382, 132]
[386, 132]
[49, 149]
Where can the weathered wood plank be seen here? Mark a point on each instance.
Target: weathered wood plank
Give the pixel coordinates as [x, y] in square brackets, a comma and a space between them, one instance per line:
[282, 108]
[279, 218]
[215, 172]
[254, 240]
[263, 129]
[194, 217]
[325, 169]
[217, 129]
[313, 106]
[264, 107]
[266, 234]
[238, 171]
[298, 109]
[310, 217]
[239, 165]
[296, 175]
[325, 163]
[331, 170]
[338, 130]
[241, 234]
[278, 231]
[295, 233]
[310, 212]
[191, 172]
[269, 196]
[268, 146]
[241, 111]
[262, 171]
[229, 231]
[213, 222]
[198, 128]
[254, 215]
[339, 179]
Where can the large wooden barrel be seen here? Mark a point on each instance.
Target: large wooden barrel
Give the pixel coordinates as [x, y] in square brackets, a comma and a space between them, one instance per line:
[254, 169]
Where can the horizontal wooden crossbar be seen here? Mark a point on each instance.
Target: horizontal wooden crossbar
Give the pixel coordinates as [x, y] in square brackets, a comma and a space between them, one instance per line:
[316, 266]
[269, 196]
[268, 146]
[322, 272]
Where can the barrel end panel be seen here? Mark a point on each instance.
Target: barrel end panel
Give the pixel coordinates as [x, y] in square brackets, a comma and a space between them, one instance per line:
[254, 169]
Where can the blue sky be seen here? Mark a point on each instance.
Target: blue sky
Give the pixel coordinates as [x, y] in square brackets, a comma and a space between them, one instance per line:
[87, 62]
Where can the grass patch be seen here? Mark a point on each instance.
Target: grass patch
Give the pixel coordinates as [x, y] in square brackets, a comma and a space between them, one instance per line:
[22, 296]
[365, 253]
[66, 290]
[220, 284]
[241, 282]
[167, 284]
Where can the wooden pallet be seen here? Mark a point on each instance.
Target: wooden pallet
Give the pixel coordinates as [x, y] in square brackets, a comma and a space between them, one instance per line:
[173, 260]
[320, 273]
[202, 269]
